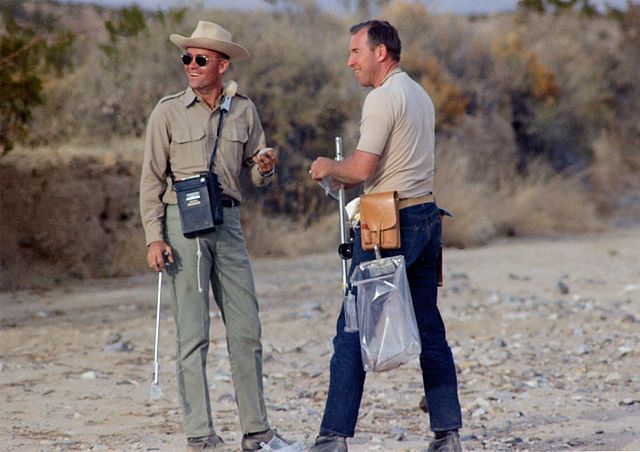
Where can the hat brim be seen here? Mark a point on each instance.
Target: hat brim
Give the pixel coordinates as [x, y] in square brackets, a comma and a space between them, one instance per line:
[234, 51]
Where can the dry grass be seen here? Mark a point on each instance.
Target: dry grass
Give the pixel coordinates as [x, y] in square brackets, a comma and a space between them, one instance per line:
[73, 212]
[542, 203]
[545, 203]
[281, 237]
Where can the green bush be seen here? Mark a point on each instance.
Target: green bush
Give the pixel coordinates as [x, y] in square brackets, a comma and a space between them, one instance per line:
[30, 53]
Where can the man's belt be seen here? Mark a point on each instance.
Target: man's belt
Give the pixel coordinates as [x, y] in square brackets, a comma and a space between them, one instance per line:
[408, 202]
[228, 201]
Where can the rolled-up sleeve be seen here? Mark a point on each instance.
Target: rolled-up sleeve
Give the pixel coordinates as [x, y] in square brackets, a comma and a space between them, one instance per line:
[153, 181]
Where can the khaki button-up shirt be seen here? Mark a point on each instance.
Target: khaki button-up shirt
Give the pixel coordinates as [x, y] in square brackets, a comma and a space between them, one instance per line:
[181, 133]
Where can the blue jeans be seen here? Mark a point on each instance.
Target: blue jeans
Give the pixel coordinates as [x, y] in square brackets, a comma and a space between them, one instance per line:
[421, 237]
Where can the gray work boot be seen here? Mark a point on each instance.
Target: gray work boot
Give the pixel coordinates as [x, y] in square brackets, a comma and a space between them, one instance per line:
[448, 442]
[252, 441]
[330, 443]
[204, 443]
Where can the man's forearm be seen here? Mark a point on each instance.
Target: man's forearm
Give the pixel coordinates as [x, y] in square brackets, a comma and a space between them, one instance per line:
[353, 170]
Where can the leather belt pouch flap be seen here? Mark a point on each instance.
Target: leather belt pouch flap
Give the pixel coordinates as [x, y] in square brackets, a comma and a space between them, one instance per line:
[380, 221]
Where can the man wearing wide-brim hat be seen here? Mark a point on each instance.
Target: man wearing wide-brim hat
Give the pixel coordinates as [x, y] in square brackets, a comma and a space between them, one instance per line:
[183, 131]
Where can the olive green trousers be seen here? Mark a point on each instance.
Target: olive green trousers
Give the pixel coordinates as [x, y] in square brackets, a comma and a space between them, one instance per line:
[219, 258]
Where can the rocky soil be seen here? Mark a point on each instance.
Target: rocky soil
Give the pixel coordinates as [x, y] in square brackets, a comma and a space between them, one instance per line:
[546, 336]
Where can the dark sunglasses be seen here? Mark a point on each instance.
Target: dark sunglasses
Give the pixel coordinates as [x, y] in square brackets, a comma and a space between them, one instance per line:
[201, 60]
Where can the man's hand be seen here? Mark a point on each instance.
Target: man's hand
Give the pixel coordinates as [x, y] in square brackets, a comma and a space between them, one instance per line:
[155, 250]
[321, 168]
[266, 160]
[351, 171]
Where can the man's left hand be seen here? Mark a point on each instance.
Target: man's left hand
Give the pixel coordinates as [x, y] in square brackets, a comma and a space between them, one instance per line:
[266, 160]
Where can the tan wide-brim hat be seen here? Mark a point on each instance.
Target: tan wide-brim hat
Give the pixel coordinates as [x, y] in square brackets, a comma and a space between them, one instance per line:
[208, 35]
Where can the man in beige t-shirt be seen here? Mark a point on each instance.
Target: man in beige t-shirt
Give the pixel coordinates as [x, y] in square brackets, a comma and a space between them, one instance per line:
[395, 153]
[397, 126]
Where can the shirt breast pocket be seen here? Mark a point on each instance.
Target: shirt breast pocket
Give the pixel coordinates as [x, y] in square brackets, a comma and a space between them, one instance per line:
[188, 150]
[235, 133]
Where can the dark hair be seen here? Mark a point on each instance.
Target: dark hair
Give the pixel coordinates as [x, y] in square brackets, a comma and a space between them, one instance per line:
[381, 32]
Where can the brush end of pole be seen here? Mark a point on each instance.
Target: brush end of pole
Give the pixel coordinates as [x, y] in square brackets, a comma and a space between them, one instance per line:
[155, 393]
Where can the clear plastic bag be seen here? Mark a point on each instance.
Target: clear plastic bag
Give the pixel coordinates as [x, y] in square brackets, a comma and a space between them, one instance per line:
[330, 189]
[277, 444]
[350, 313]
[389, 334]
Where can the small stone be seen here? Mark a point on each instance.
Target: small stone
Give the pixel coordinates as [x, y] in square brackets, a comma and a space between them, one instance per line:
[398, 433]
[117, 347]
[582, 349]
[613, 377]
[113, 338]
[563, 288]
[624, 350]
[89, 375]
[226, 398]
[482, 403]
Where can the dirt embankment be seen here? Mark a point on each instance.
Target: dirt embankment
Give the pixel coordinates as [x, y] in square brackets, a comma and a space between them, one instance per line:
[75, 217]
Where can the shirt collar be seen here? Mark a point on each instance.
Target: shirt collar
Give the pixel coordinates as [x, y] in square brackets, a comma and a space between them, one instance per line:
[393, 72]
[190, 97]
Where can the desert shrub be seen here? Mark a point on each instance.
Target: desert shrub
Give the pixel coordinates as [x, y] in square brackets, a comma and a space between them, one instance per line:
[617, 153]
[562, 125]
[539, 203]
[115, 87]
[545, 203]
[508, 89]
[32, 50]
[302, 106]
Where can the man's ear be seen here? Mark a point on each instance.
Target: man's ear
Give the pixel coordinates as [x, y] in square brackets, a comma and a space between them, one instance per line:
[224, 66]
[381, 52]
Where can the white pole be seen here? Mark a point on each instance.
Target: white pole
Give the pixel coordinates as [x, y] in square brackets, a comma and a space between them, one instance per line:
[343, 223]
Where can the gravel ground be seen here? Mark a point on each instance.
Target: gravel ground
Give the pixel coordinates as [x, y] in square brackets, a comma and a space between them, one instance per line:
[546, 336]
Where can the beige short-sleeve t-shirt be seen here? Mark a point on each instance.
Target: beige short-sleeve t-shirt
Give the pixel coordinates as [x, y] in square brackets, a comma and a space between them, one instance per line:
[398, 125]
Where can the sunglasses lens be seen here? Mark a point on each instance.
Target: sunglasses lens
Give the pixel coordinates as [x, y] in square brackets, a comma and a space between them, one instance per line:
[187, 58]
[201, 60]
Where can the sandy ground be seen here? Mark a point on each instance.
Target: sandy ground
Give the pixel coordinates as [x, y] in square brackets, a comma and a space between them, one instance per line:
[546, 335]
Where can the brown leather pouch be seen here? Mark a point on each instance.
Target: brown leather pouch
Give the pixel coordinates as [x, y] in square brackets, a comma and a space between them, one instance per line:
[380, 221]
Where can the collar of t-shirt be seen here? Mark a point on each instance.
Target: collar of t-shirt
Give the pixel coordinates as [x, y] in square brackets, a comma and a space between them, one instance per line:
[392, 73]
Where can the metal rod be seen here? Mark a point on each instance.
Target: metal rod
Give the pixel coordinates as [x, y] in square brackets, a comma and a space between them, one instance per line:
[343, 222]
[155, 353]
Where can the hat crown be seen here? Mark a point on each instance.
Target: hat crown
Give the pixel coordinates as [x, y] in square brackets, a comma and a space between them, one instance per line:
[209, 35]
[210, 30]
